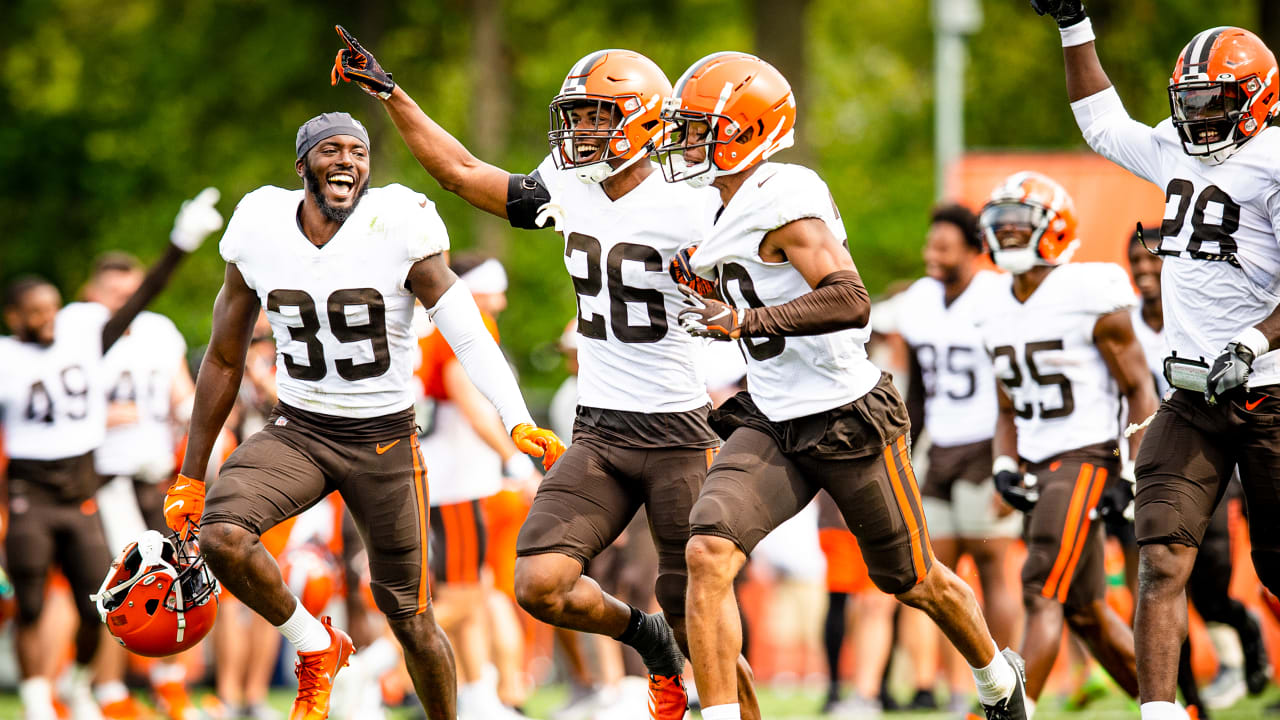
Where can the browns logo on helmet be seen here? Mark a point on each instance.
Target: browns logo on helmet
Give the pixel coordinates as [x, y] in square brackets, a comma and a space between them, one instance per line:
[159, 598]
[1035, 205]
[1222, 92]
[609, 109]
[730, 111]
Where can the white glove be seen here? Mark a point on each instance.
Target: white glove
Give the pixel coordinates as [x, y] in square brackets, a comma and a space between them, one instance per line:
[196, 220]
[550, 211]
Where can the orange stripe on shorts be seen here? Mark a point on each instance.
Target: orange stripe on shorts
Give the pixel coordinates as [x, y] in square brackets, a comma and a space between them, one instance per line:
[1066, 543]
[420, 496]
[913, 528]
[914, 488]
[1099, 482]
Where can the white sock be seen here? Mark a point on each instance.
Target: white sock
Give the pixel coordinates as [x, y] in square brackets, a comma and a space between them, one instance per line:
[109, 692]
[304, 631]
[163, 673]
[996, 681]
[36, 693]
[379, 657]
[1226, 645]
[722, 712]
[1031, 708]
[1163, 711]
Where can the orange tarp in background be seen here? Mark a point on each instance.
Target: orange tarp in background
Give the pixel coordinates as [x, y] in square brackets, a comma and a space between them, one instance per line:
[1109, 200]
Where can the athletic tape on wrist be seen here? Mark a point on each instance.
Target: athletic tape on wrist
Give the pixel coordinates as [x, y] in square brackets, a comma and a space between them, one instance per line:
[1078, 34]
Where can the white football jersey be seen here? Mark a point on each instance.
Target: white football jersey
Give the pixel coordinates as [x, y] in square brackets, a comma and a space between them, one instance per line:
[340, 313]
[1045, 359]
[140, 369]
[959, 386]
[53, 402]
[788, 377]
[1153, 347]
[632, 353]
[1222, 269]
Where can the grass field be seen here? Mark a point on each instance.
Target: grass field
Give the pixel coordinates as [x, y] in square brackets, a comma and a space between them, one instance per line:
[805, 704]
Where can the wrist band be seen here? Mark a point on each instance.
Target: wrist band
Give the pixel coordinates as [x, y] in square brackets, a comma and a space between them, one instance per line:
[1078, 34]
[1004, 463]
[1254, 340]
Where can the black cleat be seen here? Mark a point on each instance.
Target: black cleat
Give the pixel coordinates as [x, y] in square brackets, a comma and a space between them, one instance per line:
[1013, 707]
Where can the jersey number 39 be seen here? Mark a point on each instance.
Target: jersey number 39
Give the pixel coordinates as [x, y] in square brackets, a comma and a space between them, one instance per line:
[375, 331]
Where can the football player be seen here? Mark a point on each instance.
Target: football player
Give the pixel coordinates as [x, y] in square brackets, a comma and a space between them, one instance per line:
[1065, 354]
[148, 389]
[818, 414]
[641, 436]
[952, 394]
[1216, 159]
[53, 403]
[337, 266]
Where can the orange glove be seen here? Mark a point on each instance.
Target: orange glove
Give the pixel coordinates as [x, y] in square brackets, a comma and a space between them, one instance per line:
[535, 441]
[184, 503]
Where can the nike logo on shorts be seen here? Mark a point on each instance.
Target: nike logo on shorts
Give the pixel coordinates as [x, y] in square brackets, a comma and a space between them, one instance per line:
[383, 448]
[1251, 405]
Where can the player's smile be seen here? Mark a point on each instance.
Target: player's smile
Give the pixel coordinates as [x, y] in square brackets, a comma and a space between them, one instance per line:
[336, 173]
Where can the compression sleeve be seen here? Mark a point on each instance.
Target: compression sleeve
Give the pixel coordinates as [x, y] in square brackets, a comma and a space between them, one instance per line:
[839, 302]
[1111, 133]
[459, 320]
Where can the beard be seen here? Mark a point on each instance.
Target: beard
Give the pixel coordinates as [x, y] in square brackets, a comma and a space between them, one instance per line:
[336, 214]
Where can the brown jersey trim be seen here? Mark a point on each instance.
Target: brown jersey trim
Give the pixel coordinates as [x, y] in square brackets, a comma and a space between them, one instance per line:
[619, 428]
[345, 429]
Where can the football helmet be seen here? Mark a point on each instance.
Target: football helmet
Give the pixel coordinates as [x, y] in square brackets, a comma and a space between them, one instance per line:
[735, 106]
[1222, 92]
[1038, 204]
[312, 574]
[159, 597]
[619, 84]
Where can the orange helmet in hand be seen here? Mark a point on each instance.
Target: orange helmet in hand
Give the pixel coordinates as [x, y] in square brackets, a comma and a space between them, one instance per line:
[159, 598]
[609, 108]
[730, 111]
[1222, 92]
[1035, 207]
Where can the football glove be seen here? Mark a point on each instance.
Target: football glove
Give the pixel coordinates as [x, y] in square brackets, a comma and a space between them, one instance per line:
[684, 275]
[538, 442]
[1230, 370]
[355, 64]
[1016, 487]
[183, 504]
[709, 318]
[1066, 12]
[196, 220]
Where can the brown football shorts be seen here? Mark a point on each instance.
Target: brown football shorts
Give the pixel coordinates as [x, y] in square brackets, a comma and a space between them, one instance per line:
[970, 463]
[300, 457]
[457, 543]
[47, 528]
[1064, 545]
[594, 489]
[859, 453]
[1186, 460]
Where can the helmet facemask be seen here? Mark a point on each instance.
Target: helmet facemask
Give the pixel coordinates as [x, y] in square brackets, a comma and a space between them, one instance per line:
[153, 556]
[592, 150]
[691, 130]
[1032, 217]
[1212, 116]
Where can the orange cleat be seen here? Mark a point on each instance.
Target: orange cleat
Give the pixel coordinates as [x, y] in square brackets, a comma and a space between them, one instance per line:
[173, 701]
[316, 670]
[126, 708]
[667, 697]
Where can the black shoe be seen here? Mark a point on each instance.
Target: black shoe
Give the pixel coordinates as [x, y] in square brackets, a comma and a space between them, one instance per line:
[1013, 707]
[833, 697]
[923, 701]
[1257, 666]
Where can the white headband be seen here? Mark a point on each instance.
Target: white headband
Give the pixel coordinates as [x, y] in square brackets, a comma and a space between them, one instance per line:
[487, 277]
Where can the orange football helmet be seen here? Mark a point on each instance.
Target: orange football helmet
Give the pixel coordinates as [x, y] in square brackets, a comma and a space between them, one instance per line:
[1222, 92]
[744, 112]
[1038, 205]
[311, 572]
[159, 597]
[626, 91]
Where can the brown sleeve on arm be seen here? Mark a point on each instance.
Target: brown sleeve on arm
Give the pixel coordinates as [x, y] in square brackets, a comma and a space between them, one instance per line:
[838, 302]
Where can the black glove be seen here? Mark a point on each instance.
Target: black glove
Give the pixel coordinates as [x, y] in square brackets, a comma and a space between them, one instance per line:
[1017, 489]
[684, 275]
[354, 63]
[1229, 371]
[1115, 508]
[709, 318]
[1066, 12]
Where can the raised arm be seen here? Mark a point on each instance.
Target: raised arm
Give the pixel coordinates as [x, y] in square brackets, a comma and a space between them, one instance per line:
[443, 157]
[197, 218]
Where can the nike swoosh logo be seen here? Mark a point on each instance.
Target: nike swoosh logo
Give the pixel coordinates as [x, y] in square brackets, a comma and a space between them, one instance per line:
[1251, 405]
[383, 448]
[174, 505]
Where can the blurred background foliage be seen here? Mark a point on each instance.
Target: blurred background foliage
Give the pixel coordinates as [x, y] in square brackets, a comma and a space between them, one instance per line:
[116, 112]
